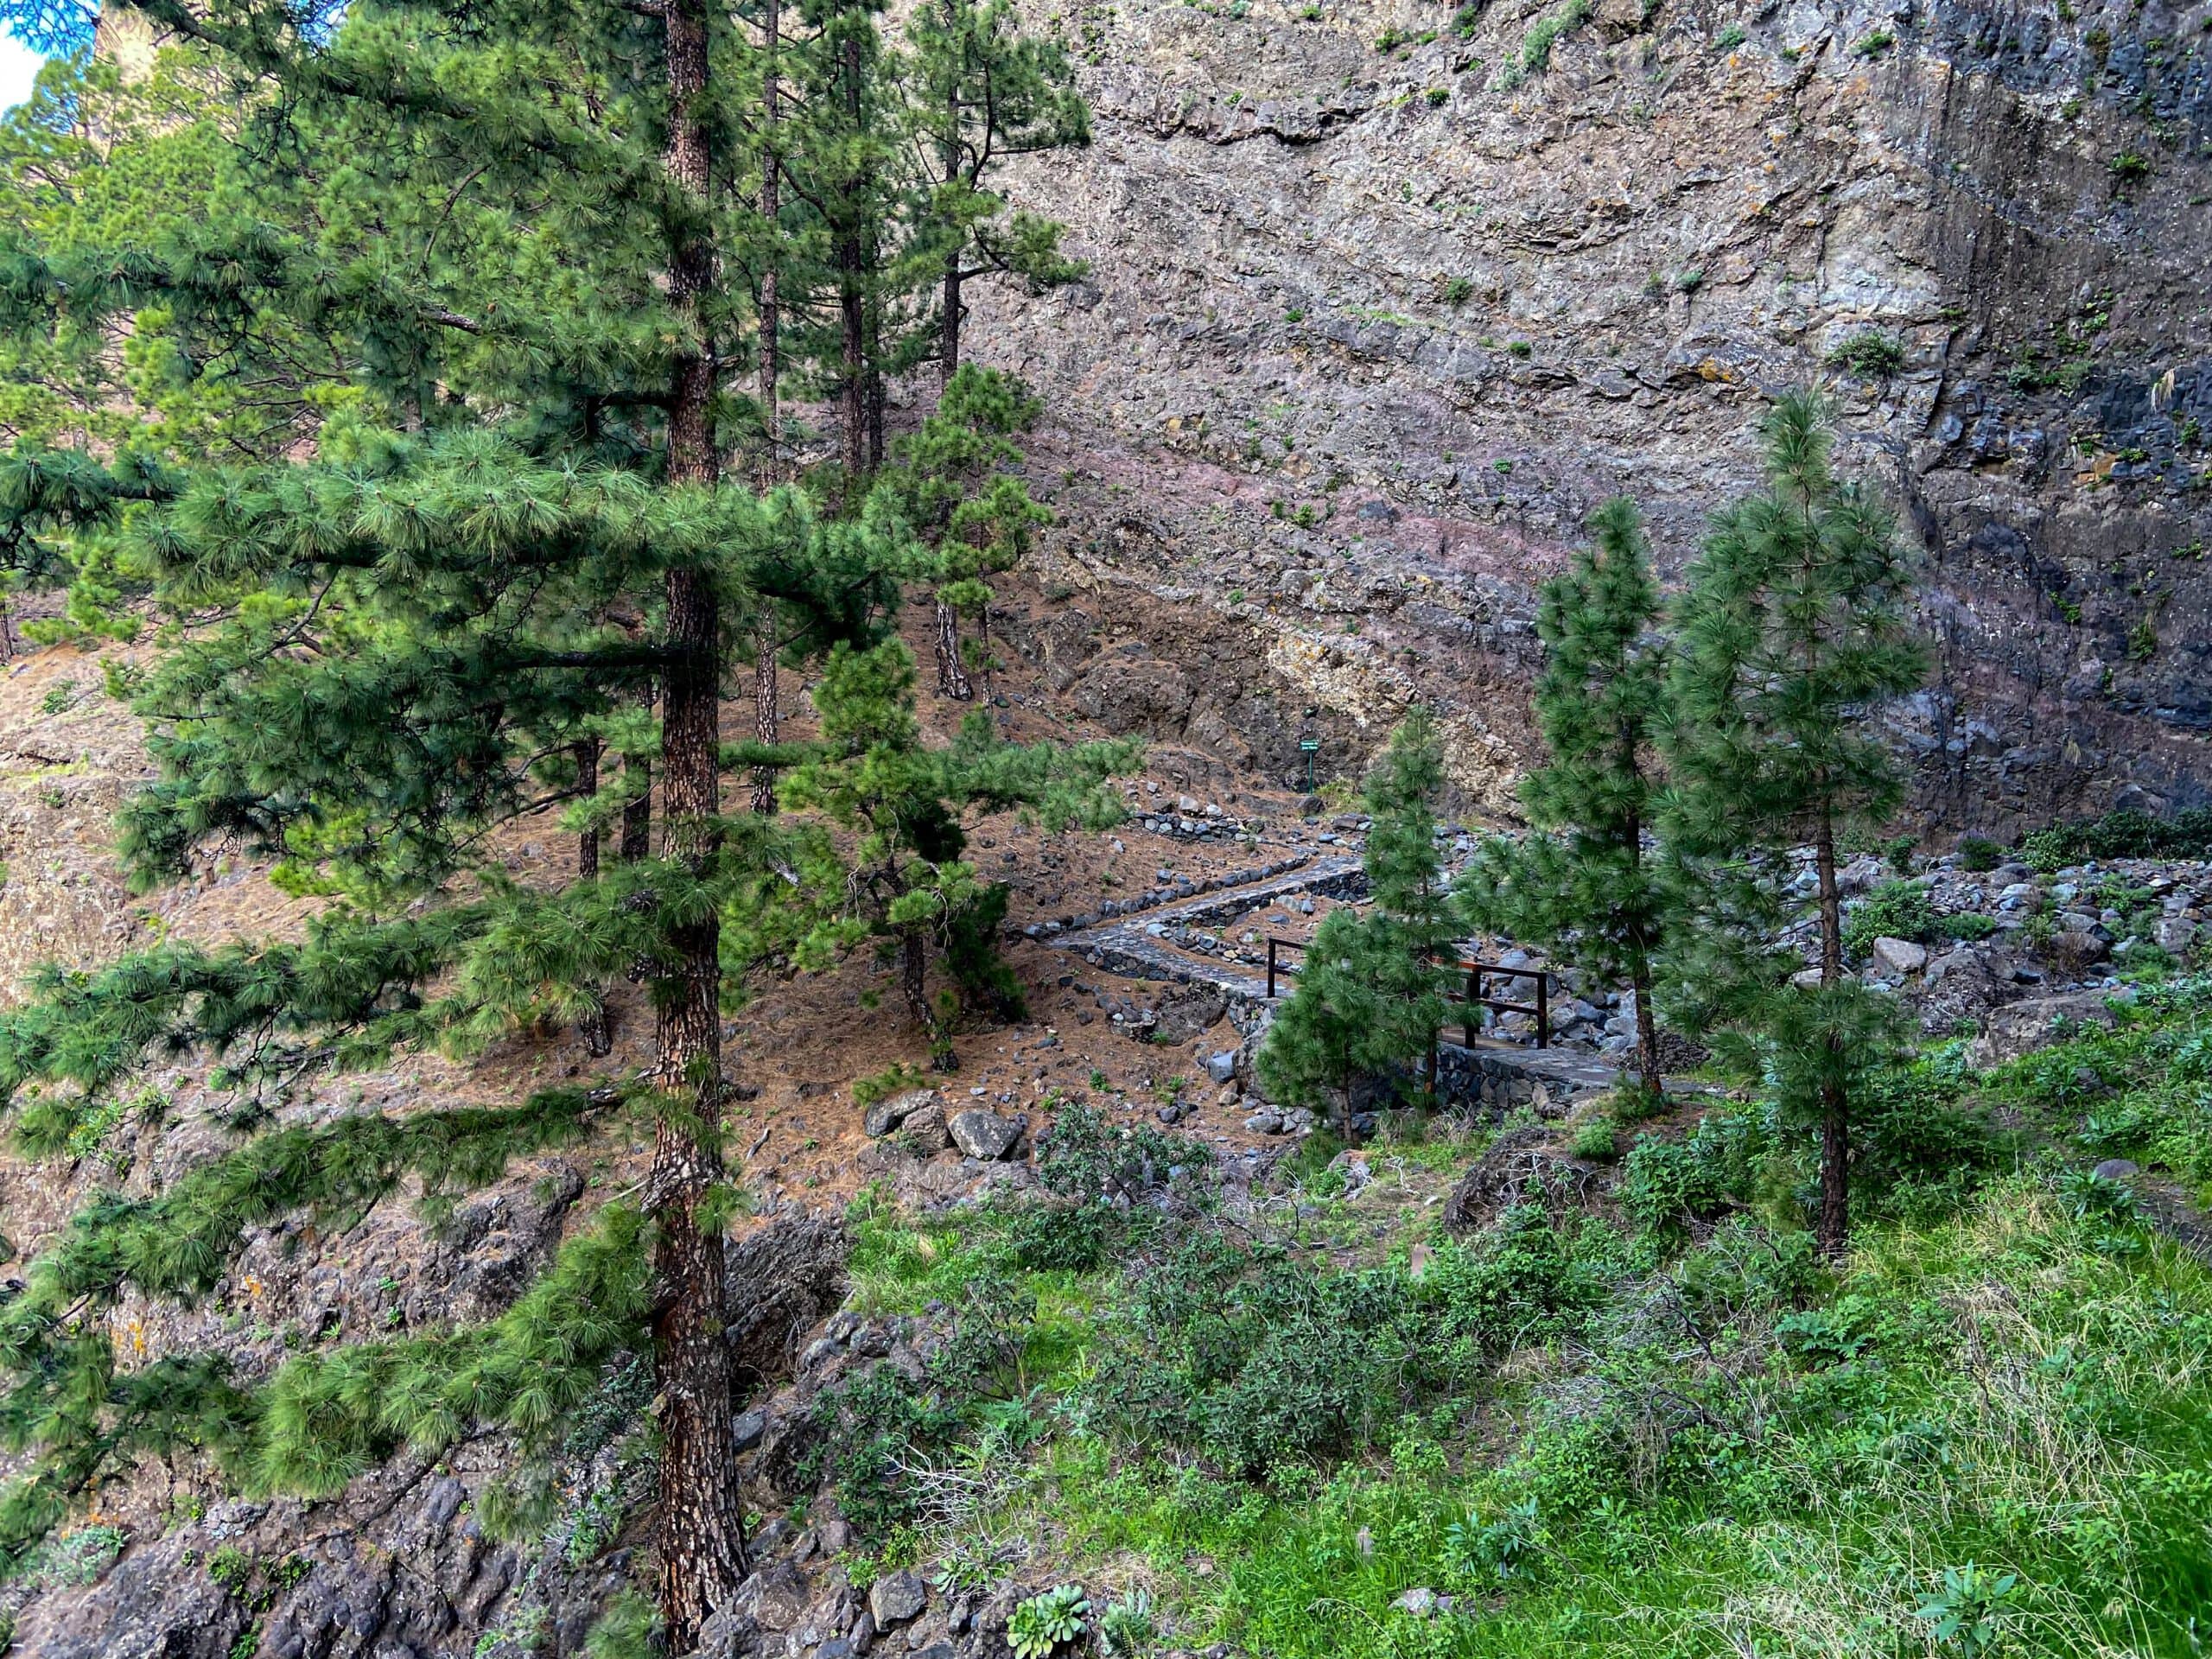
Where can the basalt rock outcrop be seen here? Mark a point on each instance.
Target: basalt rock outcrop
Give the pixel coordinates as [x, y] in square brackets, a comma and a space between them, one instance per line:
[1381, 305]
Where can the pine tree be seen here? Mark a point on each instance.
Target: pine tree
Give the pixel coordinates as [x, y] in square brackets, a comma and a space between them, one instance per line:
[90, 161]
[981, 93]
[1794, 634]
[1413, 929]
[1581, 883]
[870, 774]
[507, 544]
[956, 485]
[1370, 1000]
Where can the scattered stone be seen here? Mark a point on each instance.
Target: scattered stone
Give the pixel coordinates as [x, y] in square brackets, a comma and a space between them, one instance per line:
[1222, 1068]
[2115, 1169]
[985, 1134]
[888, 1113]
[1900, 956]
[1265, 1120]
[895, 1597]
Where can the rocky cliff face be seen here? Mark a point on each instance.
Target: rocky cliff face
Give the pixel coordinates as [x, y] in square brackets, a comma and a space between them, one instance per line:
[1383, 301]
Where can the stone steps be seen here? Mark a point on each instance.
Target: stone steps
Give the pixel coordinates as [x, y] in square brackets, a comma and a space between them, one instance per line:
[1490, 1072]
[1124, 947]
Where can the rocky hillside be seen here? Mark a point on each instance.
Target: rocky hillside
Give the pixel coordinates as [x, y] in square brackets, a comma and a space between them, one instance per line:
[1385, 297]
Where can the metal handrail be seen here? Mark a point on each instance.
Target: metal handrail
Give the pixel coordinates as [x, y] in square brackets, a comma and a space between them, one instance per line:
[1476, 971]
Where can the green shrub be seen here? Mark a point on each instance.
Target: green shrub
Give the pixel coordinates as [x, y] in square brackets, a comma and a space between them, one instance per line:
[1895, 910]
[1980, 854]
[1968, 927]
[2124, 834]
[864, 1434]
[1063, 1238]
[1259, 1360]
[1729, 38]
[1595, 1141]
[1494, 1551]
[1666, 1184]
[1547, 31]
[1084, 1157]
[1459, 290]
[1517, 1283]
[1869, 354]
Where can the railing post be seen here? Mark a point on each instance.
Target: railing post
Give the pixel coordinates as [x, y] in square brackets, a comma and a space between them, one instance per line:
[1271, 967]
[1543, 1010]
[1474, 990]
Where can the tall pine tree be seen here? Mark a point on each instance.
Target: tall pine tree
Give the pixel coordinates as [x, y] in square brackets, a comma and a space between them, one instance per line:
[1795, 633]
[1582, 884]
[956, 485]
[501, 548]
[903, 804]
[981, 93]
[1370, 994]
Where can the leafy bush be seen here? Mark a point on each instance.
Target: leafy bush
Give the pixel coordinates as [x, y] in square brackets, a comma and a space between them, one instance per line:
[1493, 1551]
[1084, 1157]
[1517, 1282]
[1547, 31]
[2123, 834]
[1666, 1184]
[1895, 910]
[1834, 1335]
[1261, 1361]
[866, 1433]
[1063, 1238]
[1920, 1142]
[1868, 354]
[1595, 1141]
[1980, 854]
[1744, 1269]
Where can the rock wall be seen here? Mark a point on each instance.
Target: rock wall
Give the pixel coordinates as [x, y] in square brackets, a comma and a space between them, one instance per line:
[1369, 331]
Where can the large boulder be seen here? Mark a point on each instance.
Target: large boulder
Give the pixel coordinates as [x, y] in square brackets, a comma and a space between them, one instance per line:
[1894, 958]
[890, 1112]
[2037, 1023]
[984, 1135]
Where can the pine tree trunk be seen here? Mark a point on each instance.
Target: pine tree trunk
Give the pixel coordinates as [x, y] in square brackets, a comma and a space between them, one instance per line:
[1647, 1028]
[852, 319]
[914, 981]
[599, 1042]
[952, 679]
[872, 350]
[983, 651]
[637, 839]
[1833, 1229]
[768, 722]
[1647, 1031]
[772, 180]
[701, 1535]
[949, 326]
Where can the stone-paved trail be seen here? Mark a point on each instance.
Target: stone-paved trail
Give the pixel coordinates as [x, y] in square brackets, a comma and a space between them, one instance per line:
[1492, 1072]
